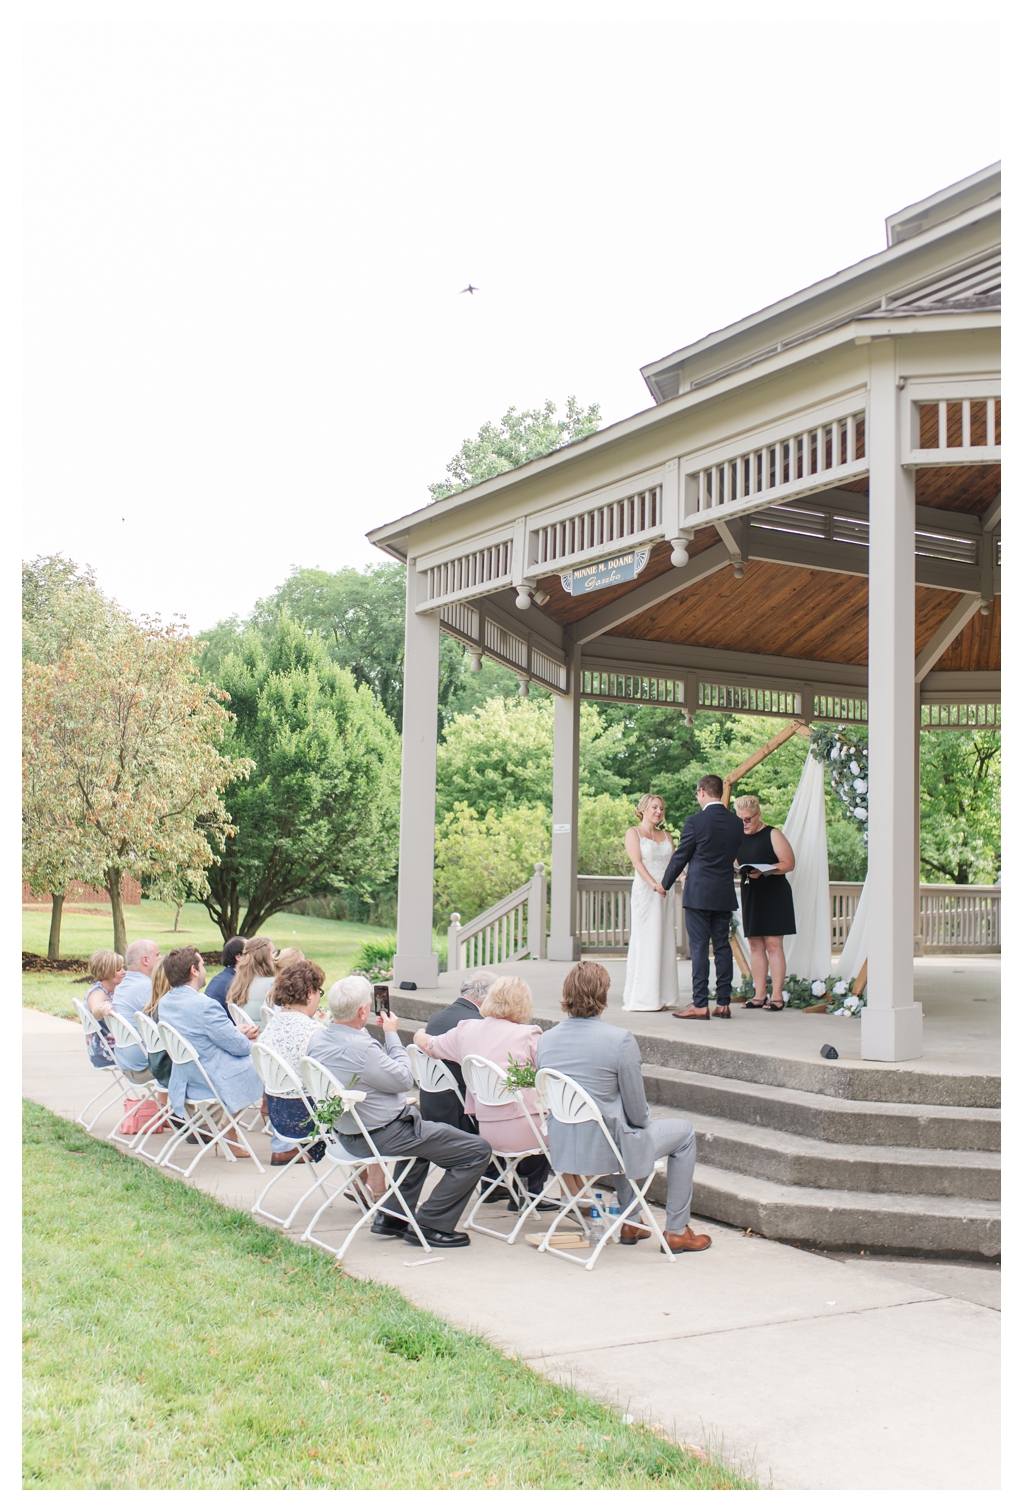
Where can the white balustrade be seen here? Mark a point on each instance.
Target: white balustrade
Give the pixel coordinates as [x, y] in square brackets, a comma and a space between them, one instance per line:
[512, 930]
[953, 921]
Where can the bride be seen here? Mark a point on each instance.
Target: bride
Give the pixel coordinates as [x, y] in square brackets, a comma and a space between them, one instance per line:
[651, 974]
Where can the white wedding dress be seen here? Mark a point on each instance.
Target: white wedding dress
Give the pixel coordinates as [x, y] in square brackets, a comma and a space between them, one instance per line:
[651, 974]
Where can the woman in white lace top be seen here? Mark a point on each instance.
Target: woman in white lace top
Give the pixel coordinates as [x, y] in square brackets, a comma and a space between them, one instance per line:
[298, 990]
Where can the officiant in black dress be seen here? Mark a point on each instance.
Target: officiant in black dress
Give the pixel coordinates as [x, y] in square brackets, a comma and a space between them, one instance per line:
[768, 913]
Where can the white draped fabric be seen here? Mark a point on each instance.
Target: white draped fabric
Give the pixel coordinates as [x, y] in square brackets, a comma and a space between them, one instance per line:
[808, 952]
[855, 951]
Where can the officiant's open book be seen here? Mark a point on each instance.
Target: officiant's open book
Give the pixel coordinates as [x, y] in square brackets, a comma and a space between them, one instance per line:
[758, 866]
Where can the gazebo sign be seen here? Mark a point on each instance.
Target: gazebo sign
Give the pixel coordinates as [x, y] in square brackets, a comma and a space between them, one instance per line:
[616, 569]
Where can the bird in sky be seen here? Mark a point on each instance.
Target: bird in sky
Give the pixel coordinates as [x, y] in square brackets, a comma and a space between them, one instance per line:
[470, 289]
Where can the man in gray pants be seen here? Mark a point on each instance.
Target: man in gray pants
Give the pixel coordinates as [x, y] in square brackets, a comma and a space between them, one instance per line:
[605, 1061]
[385, 1074]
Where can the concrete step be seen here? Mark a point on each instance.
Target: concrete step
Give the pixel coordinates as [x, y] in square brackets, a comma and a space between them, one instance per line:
[854, 1081]
[794, 1160]
[832, 1218]
[834, 1119]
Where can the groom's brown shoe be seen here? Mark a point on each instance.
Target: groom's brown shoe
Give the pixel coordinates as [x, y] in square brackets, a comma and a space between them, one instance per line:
[692, 1012]
[722, 1011]
[687, 1242]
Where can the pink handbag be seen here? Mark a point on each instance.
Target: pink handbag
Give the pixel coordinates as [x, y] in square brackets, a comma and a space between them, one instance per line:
[137, 1113]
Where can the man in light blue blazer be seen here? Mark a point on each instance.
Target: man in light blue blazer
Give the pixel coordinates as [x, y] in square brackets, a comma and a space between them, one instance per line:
[225, 1051]
[605, 1061]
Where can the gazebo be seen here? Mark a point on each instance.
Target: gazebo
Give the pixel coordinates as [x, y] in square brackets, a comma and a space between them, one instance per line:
[804, 523]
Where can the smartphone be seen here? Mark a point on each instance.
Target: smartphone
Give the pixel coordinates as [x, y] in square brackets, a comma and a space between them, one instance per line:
[381, 998]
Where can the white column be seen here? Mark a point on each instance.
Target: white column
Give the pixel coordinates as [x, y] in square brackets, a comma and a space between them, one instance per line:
[564, 941]
[416, 960]
[892, 1024]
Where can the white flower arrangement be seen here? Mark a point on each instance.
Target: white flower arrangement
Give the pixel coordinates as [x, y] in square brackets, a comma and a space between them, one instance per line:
[818, 988]
[840, 748]
[851, 1003]
[840, 987]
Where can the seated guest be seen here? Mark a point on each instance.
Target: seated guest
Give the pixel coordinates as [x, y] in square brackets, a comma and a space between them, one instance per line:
[160, 1063]
[106, 968]
[282, 958]
[501, 1030]
[221, 983]
[254, 976]
[298, 989]
[130, 997]
[224, 1050]
[605, 1061]
[385, 1075]
[444, 1107]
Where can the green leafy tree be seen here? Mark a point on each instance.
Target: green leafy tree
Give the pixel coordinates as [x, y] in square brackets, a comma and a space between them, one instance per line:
[360, 617]
[479, 860]
[501, 756]
[603, 821]
[518, 437]
[960, 790]
[320, 812]
[128, 738]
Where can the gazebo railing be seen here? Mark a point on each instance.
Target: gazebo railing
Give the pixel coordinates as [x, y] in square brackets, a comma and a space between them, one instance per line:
[953, 921]
[961, 920]
[512, 930]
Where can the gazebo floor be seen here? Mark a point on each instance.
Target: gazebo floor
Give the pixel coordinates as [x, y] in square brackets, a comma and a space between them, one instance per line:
[840, 1153]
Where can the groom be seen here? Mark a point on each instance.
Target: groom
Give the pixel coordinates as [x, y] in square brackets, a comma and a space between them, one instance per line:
[708, 845]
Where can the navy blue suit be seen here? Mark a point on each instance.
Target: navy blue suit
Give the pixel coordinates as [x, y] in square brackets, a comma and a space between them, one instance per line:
[708, 845]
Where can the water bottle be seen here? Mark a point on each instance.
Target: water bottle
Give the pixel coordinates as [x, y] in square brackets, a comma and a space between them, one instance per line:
[614, 1212]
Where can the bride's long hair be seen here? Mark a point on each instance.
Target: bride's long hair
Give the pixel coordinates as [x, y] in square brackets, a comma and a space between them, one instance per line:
[645, 802]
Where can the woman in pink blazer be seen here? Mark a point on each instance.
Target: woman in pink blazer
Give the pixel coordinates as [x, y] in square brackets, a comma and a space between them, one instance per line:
[502, 1030]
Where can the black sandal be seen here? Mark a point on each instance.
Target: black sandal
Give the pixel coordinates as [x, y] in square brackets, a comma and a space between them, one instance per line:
[773, 1007]
[752, 1003]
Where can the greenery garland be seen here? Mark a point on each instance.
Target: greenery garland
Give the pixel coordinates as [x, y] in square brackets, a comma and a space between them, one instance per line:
[834, 994]
[843, 752]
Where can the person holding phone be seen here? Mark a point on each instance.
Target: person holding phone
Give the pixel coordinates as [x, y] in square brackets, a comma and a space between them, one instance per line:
[384, 1073]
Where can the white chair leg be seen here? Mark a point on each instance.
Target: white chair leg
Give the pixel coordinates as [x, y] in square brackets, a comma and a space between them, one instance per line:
[120, 1090]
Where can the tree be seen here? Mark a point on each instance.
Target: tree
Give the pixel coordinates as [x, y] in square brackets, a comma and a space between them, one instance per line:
[360, 617]
[518, 437]
[479, 861]
[501, 756]
[320, 811]
[960, 777]
[131, 734]
[61, 605]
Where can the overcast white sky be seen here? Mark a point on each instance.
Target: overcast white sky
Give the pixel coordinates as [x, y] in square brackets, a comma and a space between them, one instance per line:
[245, 241]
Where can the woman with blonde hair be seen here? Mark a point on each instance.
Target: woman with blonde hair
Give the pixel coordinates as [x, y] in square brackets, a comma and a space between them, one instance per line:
[768, 913]
[289, 956]
[651, 971]
[254, 976]
[502, 1030]
[106, 968]
[160, 1062]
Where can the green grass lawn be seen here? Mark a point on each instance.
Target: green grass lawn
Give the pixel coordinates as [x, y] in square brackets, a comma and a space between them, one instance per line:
[331, 944]
[171, 1342]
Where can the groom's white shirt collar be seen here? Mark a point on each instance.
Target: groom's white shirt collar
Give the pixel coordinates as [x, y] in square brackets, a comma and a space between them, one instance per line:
[711, 802]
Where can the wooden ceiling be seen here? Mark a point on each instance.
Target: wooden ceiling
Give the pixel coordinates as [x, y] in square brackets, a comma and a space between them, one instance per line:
[780, 611]
[966, 490]
[978, 647]
[776, 610]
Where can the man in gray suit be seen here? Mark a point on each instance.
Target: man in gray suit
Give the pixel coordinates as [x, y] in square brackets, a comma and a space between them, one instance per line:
[384, 1073]
[605, 1061]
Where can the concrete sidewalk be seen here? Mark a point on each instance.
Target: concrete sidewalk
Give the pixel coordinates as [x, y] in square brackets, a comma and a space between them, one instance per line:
[819, 1373]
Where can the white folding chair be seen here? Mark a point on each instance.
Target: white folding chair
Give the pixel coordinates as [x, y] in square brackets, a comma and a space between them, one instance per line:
[266, 1013]
[566, 1101]
[149, 1034]
[350, 1169]
[122, 1087]
[280, 1081]
[489, 1087]
[128, 1038]
[198, 1121]
[432, 1075]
